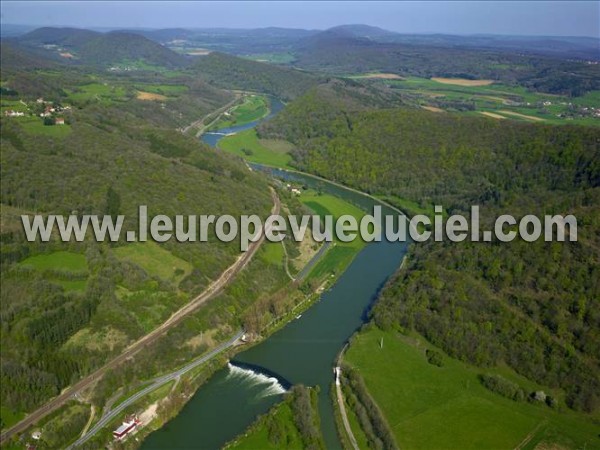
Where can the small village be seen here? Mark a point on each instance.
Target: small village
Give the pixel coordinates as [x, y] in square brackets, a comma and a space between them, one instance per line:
[50, 113]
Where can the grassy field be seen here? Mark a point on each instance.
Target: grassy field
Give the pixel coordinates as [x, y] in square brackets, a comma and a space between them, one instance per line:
[448, 408]
[272, 253]
[58, 261]
[102, 92]
[247, 145]
[340, 254]
[35, 125]
[253, 107]
[155, 260]
[8, 417]
[259, 435]
[496, 100]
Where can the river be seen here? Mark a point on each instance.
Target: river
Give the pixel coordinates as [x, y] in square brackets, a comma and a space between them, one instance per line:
[304, 351]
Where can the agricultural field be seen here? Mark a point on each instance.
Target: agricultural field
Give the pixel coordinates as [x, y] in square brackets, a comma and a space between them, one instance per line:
[170, 90]
[253, 107]
[497, 101]
[155, 260]
[447, 407]
[247, 145]
[340, 254]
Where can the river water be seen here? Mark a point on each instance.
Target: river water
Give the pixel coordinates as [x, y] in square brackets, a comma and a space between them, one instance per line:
[304, 351]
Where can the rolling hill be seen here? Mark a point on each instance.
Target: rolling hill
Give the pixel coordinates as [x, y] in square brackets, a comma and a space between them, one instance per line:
[231, 72]
[99, 49]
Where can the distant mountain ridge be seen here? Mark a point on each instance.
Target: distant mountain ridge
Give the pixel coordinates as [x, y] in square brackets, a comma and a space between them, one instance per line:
[101, 49]
[278, 39]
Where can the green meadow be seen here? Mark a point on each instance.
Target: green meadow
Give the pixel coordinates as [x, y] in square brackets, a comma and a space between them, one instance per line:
[155, 260]
[247, 145]
[272, 252]
[35, 125]
[102, 92]
[448, 408]
[58, 261]
[253, 107]
[340, 254]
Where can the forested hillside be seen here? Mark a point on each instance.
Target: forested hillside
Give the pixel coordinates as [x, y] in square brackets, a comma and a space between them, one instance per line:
[229, 71]
[68, 307]
[533, 306]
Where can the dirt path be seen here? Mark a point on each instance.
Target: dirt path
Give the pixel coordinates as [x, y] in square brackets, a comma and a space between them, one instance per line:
[90, 420]
[210, 292]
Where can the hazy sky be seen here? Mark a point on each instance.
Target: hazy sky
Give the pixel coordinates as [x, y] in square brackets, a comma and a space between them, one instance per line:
[566, 18]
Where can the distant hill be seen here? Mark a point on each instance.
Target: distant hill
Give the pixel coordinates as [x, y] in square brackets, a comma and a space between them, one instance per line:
[116, 47]
[69, 37]
[99, 49]
[17, 58]
[232, 72]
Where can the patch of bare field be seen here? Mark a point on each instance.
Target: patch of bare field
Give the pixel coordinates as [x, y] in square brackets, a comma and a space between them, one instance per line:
[149, 414]
[307, 248]
[198, 340]
[198, 52]
[432, 109]
[462, 81]
[490, 114]
[104, 340]
[141, 95]
[522, 116]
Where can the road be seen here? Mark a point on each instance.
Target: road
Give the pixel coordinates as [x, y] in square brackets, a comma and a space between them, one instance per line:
[108, 416]
[210, 292]
[342, 406]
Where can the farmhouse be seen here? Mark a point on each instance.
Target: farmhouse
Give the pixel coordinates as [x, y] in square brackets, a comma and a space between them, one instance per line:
[59, 121]
[11, 113]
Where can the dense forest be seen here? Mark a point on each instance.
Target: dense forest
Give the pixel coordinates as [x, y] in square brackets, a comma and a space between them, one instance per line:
[533, 306]
[230, 72]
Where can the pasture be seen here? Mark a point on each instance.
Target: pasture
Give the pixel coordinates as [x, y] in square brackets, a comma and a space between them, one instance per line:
[155, 260]
[447, 407]
[247, 145]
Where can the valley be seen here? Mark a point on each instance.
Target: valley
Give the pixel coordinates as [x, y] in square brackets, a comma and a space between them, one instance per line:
[440, 345]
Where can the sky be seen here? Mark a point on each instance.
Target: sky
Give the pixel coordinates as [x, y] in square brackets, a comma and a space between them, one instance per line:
[558, 18]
